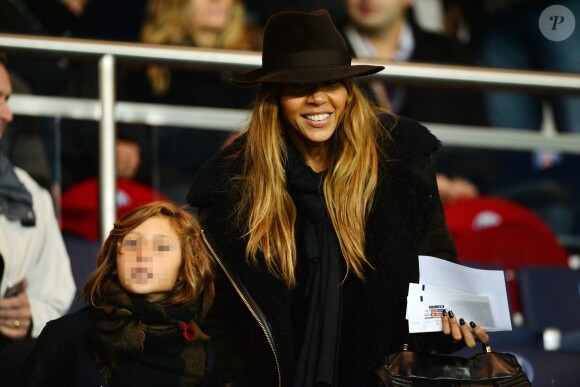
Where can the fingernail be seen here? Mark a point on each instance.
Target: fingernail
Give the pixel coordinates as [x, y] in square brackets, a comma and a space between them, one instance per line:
[461, 321]
[472, 324]
[451, 315]
[444, 313]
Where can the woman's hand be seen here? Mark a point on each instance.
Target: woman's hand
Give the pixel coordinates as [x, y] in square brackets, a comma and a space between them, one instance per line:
[15, 315]
[469, 332]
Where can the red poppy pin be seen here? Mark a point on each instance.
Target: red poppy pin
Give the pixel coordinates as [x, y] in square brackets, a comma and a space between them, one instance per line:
[187, 330]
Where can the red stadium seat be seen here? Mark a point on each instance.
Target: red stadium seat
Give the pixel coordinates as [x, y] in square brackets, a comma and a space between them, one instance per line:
[497, 233]
[80, 205]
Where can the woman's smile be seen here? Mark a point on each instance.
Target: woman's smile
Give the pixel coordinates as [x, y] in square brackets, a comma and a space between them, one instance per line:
[317, 120]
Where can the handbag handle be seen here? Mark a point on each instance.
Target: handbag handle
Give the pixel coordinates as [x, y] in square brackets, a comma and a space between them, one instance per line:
[486, 347]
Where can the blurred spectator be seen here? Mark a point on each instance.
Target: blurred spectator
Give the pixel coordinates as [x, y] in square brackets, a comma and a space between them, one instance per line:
[196, 23]
[41, 17]
[24, 146]
[32, 145]
[503, 43]
[23, 143]
[499, 42]
[81, 210]
[387, 30]
[218, 24]
[80, 139]
[80, 152]
[31, 250]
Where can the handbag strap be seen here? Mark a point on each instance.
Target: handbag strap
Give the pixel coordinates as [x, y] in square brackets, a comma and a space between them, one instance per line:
[486, 347]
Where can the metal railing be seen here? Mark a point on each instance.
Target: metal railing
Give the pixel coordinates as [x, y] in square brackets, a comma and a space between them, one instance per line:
[108, 111]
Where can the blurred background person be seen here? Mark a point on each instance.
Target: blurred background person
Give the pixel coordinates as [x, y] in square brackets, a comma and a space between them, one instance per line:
[386, 29]
[544, 180]
[46, 18]
[30, 142]
[31, 251]
[261, 10]
[220, 24]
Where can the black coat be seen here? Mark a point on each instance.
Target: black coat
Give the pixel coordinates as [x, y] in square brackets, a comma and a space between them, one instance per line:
[406, 220]
[65, 354]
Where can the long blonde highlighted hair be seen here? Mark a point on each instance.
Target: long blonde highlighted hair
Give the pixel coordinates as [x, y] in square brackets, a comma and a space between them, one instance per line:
[267, 210]
[169, 22]
[196, 272]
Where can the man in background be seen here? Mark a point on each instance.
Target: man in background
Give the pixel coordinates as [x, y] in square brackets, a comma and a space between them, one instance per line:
[386, 29]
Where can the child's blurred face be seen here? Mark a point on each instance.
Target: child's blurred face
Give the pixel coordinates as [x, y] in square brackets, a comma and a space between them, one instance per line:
[211, 14]
[149, 259]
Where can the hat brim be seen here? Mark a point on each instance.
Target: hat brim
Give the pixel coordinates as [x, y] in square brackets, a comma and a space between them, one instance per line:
[304, 75]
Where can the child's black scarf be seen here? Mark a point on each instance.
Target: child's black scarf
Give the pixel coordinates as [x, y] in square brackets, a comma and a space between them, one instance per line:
[143, 343]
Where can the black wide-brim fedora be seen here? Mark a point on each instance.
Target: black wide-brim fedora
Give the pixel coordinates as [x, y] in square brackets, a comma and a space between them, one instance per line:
[302, 47]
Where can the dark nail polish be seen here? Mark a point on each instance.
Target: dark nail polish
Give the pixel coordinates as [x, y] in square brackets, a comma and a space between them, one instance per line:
[444, 313]
[461, 321]
[472, 324]
[451, 315]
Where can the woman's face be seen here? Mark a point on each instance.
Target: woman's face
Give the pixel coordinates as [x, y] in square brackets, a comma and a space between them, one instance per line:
[313, 111]
[149, 259]
[211, 14]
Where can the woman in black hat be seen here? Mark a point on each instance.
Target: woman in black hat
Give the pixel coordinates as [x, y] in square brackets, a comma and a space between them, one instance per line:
[317, 214]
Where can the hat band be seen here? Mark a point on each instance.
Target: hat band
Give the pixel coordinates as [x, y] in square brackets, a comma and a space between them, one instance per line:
[306, 59]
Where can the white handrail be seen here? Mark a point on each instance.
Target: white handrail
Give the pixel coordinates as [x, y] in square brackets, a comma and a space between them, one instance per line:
[232, 119]
[219, 59]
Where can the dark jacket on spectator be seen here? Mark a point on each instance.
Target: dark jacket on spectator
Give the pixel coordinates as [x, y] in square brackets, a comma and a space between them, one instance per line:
[68, 353]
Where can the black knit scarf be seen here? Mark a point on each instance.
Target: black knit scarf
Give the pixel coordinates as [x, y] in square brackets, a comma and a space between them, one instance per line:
[144, 343]
[320, 264]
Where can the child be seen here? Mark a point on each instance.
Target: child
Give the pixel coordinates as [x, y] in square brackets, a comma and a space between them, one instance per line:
[152, 286]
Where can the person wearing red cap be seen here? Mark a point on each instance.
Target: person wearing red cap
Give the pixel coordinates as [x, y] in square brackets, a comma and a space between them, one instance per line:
[318, 213]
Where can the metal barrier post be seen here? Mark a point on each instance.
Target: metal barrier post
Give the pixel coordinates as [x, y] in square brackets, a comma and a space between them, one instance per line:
[107, 136]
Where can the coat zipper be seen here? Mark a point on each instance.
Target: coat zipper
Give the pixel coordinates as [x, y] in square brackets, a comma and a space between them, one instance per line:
[262, 324]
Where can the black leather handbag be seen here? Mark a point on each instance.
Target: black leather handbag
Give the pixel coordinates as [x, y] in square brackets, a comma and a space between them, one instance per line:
[407, 368]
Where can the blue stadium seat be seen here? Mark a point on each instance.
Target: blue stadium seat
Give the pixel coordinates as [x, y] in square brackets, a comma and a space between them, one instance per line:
[550, 298]
[83, 257]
